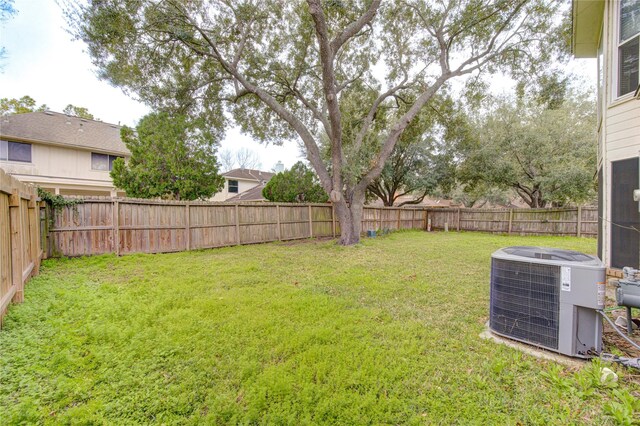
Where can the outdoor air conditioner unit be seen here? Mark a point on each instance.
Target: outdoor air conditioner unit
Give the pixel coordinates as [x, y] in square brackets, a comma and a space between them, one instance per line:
[548, 298]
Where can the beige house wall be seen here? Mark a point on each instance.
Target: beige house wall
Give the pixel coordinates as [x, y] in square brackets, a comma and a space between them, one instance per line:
[62, 170]
[619, 126]
[243, 186]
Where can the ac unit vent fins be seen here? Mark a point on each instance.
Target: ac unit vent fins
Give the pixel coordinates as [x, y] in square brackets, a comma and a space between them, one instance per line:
[525, 301]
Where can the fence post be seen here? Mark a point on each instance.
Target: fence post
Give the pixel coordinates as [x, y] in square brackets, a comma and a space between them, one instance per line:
[310, 223]
[510, 220]
[46, 249]
[237, 225]
[426, 217]
[458, 221]
[15, 227]
[116, 226]
[399, 213]
[579, 221]
[34, 228]
[333, 220]
[278, 231]
[188, 225]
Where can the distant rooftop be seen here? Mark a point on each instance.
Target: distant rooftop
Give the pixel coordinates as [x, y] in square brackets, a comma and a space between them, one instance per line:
[253, 194]
[249, 174]
[55, 128]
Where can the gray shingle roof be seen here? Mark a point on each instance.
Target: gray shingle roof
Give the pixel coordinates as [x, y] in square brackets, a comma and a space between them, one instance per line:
[60, 129]
[253, 194]
[249, 174]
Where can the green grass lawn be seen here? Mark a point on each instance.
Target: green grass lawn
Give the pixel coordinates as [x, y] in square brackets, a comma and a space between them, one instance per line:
[386, 332]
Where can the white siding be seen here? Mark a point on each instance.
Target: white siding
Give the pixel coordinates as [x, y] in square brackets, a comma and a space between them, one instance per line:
[620, 131]
[57, 161]
[623, 130]
[60, 167]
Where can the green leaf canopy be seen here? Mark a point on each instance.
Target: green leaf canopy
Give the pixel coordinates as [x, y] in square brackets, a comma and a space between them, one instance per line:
[168, 160]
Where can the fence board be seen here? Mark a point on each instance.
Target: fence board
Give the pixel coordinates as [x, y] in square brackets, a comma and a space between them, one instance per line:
[20, 239]
[154, 226]
[562, 222]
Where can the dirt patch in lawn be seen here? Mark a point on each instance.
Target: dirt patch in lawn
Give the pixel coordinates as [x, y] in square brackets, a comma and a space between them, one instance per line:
[314, 240]
[614, 340]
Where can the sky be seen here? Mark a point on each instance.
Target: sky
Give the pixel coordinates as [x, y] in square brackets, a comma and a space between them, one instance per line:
[44, 62]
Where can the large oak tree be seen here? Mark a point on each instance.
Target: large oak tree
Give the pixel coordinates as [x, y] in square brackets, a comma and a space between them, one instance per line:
[288, 69]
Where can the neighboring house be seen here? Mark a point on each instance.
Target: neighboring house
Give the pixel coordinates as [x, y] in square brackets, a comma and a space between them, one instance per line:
[253, 194]
[610, 31]
[60, 153]
[243, 185]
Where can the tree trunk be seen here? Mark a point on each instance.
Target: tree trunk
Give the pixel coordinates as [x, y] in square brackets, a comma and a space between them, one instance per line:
[350, 218]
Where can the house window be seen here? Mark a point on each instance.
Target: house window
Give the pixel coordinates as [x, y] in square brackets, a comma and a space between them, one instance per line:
[102, 161]
[15, 151]
[629, 46]
[233, 186]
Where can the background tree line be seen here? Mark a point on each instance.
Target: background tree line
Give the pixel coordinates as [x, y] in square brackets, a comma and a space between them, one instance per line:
[354, 82]
[346, 79]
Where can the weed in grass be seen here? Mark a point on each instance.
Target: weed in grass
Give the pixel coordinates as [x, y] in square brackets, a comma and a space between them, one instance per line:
[624, 408]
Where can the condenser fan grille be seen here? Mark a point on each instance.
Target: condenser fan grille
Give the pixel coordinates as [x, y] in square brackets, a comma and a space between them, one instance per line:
[525, 301]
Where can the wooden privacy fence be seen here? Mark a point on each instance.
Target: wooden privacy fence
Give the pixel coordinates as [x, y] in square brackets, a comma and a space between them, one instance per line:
[122, 226]
[125, 225]
[20, 238]
[577, 221]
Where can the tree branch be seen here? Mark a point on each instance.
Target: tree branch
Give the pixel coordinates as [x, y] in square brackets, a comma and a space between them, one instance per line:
[345, 84]
[329, 87]
[355, 27]
[486, 53]
[415, 200]
[372, 112]
[313, 152]
[398, 128]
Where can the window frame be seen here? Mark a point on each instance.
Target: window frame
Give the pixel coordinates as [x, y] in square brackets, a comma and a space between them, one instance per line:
[110, 159]
[602, 93]
[236, 185]
[619, 43]
[5, 143]
[113, 158]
